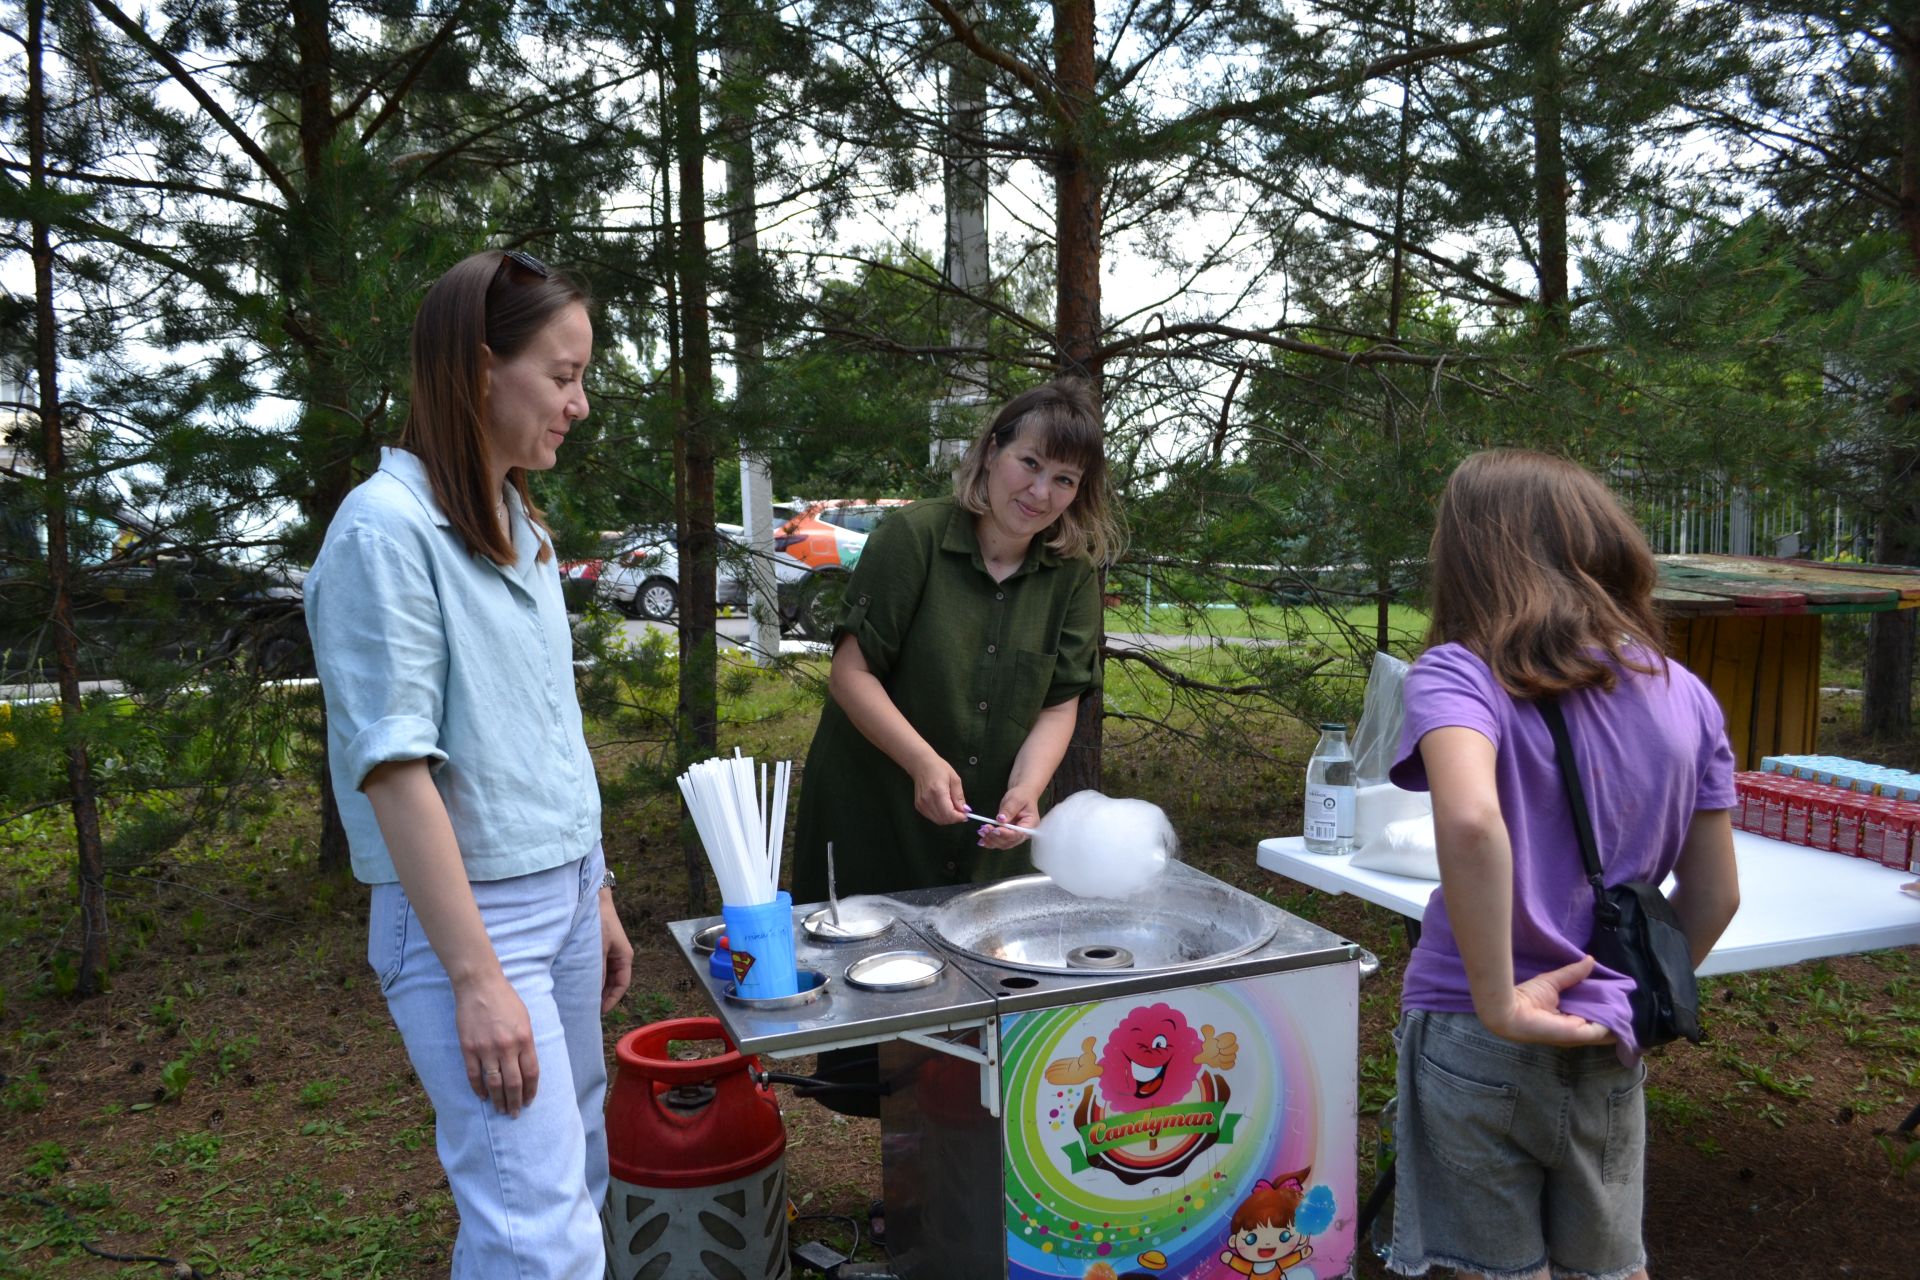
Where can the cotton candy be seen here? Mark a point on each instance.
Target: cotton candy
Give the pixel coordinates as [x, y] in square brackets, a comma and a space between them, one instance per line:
[1096, 846]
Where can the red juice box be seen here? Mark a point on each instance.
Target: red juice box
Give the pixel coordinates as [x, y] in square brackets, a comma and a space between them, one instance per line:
[1773, 823]
[1748, 791]
[1887, 835]
[1793, 826]
[1849, 816]
[1822, 817]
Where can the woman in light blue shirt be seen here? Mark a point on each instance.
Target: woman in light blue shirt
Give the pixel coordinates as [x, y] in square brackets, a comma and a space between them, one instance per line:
[465, 784]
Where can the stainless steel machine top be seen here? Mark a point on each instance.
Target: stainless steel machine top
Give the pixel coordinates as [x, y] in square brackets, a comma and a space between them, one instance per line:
[1183, 919]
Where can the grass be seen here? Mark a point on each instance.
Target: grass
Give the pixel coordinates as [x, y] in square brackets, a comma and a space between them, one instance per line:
[239, 1101]
[1405, 624]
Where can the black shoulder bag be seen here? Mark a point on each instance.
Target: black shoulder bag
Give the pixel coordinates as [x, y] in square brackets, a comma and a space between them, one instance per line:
[1635, 931]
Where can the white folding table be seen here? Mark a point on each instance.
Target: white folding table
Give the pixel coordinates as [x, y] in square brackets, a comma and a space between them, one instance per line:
[1795, 903]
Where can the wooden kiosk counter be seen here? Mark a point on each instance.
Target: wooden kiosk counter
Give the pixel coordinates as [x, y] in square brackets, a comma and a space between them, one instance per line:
[1750, 628]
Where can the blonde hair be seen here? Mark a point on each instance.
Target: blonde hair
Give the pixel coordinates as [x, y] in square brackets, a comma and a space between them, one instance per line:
[1066, 428]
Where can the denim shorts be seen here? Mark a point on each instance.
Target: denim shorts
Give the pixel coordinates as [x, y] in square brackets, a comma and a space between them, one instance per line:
[1513, 1158]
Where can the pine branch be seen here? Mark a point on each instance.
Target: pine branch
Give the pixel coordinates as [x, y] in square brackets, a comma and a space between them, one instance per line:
[1035, 82]
[1266, 103]
[185, 78]
[414, 72]
[151, 184]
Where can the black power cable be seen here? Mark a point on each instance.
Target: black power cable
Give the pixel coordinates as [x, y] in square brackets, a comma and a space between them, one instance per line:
[181, 1270]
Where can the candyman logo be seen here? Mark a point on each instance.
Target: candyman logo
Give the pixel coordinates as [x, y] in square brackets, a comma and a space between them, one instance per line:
[1155, 1095]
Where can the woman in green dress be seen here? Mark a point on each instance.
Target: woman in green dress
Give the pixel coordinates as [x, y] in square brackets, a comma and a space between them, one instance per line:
[969, 635]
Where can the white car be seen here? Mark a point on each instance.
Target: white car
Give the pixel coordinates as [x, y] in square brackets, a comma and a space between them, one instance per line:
[642, 580]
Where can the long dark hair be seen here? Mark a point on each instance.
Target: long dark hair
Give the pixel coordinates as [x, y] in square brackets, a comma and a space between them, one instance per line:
[1066, 427]
[499, 300]
[1539, 571]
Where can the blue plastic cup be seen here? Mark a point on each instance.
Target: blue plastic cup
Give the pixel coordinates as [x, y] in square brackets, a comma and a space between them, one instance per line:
[761, 940]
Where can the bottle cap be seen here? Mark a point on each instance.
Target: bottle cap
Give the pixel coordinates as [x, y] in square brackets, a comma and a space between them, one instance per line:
[1326, 725]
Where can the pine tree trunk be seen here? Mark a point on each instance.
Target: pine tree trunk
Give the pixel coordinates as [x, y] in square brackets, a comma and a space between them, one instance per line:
[1550, 165]
[329, 434]
[1886, 697]
[81, 795]
[1077, 219]
[698, 712]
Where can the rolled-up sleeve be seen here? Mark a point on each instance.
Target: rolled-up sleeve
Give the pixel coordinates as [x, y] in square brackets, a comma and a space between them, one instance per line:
[1076, 672]
[884, 593]
[381, 648]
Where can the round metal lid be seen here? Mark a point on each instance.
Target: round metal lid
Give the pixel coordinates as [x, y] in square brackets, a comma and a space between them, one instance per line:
[856, 924]
[895, 970]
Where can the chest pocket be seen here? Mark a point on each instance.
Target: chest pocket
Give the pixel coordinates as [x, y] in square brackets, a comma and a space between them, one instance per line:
[1032, 676]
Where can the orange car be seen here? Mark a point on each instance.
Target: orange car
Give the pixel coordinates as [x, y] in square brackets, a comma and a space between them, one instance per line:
[829, 534]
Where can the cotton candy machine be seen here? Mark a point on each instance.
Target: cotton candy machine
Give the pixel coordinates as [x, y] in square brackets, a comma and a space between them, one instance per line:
[1096, 1089]
[1029, 923]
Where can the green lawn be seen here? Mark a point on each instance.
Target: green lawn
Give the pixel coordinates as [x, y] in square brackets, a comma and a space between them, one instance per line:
[1405, 624]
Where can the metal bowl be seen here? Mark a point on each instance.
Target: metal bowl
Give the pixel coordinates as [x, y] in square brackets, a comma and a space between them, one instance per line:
[813, 985]
[856, 924]
[895, 970]
[1031, 923]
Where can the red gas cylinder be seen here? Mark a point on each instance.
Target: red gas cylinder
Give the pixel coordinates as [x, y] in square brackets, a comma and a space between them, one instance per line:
[696, 1152]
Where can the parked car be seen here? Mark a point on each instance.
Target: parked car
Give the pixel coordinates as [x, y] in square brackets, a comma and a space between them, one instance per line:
[580, 579]
[642, 580]
[831, 533]
[140, 595]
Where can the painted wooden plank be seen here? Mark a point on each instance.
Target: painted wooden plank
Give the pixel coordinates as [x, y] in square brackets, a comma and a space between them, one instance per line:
[1736, 591]
[1766, 638]
[1674, 600]
[1809, 576]
[1885, 606]
[1902, 577]
[1732, 681]
[1799, 718]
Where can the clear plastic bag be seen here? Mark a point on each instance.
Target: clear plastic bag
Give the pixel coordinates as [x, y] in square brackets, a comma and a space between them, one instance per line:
[1378, 737]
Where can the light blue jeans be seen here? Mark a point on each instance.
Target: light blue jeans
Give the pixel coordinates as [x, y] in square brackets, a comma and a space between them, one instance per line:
[528, 1187]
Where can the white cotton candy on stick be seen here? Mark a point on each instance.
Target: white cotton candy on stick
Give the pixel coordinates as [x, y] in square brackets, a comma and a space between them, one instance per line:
[1097, 846]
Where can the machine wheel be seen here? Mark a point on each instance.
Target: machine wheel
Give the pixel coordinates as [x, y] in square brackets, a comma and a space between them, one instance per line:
[656, 600]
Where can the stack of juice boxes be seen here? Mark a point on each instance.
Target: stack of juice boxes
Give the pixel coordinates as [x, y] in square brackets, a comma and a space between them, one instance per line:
[1863, 810]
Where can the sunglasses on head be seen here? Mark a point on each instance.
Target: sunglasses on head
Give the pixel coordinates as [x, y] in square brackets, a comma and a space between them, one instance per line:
[525, 261]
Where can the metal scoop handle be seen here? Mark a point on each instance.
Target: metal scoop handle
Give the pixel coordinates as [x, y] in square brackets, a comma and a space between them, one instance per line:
[995, 822]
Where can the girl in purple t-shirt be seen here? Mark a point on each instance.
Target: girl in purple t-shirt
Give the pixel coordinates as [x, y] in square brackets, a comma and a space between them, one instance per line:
[1521, 1123]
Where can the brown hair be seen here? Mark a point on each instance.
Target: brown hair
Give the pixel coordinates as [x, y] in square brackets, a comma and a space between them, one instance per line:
[1066, 428]
[1271, 1205]
[1538, 570]
[498, 300]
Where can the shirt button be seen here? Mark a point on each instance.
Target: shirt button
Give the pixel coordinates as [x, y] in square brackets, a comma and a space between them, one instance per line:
[950, 866]
[983, 706]
[973, 759]
[999, 595]
[863, 599]
[992, 648]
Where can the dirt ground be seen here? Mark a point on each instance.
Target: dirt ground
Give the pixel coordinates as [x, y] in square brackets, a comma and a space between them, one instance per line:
[240, 1101]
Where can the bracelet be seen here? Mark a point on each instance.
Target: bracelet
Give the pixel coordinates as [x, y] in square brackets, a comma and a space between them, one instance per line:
[606, 880]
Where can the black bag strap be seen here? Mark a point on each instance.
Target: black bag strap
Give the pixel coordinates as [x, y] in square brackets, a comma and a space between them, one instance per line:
[1577, 805]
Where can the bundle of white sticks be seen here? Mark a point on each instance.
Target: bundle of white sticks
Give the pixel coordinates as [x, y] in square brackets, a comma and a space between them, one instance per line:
[742, 825]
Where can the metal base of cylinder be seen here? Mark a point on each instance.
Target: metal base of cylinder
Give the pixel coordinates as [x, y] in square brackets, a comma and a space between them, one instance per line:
[729, 1231]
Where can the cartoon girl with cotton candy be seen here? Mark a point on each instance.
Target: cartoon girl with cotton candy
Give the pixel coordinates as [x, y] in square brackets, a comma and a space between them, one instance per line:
[1271, 1226]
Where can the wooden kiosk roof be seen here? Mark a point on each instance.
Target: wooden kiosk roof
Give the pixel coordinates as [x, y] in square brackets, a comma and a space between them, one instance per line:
[1741, 586]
